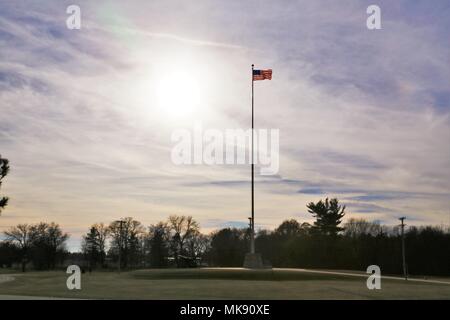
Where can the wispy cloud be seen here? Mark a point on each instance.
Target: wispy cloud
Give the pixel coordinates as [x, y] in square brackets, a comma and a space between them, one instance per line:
[363, 115]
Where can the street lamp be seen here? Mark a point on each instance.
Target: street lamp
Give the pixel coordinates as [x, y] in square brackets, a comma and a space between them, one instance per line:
[405, 274]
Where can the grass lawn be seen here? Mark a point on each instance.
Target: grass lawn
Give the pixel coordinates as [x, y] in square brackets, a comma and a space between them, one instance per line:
[217, 284]
[7, 271]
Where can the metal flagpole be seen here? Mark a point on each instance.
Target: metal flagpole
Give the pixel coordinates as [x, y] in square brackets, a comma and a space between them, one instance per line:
[252, 243]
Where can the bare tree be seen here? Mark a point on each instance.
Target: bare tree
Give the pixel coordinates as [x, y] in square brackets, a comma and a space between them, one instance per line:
[22, 236]
[126, 237]
[103, 234]
[197, 245]
[357, 227]
[181, 229]
[48, 242]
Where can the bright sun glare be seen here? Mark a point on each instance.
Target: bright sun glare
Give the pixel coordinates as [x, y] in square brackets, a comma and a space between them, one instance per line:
[178, 93]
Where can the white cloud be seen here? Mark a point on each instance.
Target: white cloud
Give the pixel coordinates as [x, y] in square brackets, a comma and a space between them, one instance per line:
[355, 109]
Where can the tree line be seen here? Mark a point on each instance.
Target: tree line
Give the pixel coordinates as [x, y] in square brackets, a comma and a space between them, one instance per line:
[43, 244]
[329, 243]
[178, 242]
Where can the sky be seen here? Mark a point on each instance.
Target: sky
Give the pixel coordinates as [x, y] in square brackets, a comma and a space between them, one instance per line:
[87, 116]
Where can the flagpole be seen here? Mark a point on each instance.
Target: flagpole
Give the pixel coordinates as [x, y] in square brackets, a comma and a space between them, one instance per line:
[252, 243]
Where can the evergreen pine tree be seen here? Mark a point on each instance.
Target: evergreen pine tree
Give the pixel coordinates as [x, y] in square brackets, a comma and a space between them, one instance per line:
[328, 216]
[4, 169]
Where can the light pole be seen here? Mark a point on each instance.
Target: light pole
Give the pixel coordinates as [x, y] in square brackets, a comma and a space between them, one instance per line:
[403, 247]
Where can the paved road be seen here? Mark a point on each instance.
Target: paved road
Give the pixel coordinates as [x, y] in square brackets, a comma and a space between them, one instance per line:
[10, 297]
[353, 274]
[364, 275]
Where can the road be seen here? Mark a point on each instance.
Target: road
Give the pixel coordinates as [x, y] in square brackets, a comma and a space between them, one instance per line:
[364, 275]
[350, 273]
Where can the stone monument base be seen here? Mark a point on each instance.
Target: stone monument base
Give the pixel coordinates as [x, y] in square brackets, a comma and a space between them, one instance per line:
[253, 261]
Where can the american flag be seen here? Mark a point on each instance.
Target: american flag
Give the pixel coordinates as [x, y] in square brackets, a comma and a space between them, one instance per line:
[262, 74]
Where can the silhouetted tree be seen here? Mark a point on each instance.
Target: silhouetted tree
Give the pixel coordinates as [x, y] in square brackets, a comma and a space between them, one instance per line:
[103, 232]
[4, 169]
[181, 229]
[157, 243]
[94, 244]
[22, 236]
[357, 227]
[228, 247]
[48, 245]
[129, 237]
[328, 216]
[197, 245]
[9, 253]
[291, 244]
[288, 228]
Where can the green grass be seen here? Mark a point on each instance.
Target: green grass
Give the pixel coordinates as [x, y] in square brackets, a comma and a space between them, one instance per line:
[217, 284]
[233, 274]
[7, 271]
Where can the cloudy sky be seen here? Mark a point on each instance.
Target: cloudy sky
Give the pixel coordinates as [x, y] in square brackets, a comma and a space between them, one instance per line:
[87, 115]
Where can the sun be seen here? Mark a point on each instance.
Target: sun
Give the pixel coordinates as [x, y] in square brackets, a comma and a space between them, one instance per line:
[179, 93]
[172, 89]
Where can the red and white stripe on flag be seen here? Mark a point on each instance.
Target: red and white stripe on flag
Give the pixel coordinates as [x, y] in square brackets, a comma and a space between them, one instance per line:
[262, 74]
